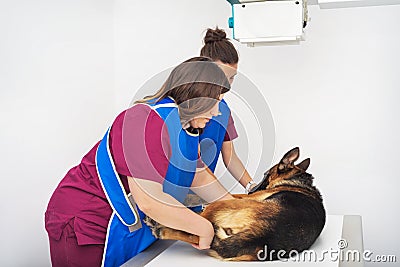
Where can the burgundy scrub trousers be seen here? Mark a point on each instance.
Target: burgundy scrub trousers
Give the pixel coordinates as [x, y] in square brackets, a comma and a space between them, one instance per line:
[66, 251]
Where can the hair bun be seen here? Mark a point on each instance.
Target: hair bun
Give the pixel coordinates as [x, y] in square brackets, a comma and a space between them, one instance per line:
[214, 35]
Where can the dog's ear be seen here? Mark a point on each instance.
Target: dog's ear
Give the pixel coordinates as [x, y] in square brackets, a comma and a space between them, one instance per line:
[304, 164]
[289, 158]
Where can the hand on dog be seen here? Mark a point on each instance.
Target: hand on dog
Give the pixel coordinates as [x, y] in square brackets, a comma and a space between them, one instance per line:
[204, 242]
[206, 239]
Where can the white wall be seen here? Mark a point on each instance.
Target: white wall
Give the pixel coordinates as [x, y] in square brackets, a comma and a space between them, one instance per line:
[68, 67]
[56, 79]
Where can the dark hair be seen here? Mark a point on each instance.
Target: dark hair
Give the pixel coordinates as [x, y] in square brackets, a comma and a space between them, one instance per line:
[218, 47]
[195, 85]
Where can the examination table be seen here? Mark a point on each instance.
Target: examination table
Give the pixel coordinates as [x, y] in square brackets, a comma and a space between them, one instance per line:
[341, 236]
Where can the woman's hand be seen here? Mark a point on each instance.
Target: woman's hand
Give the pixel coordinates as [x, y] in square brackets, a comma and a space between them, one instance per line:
[206, 239]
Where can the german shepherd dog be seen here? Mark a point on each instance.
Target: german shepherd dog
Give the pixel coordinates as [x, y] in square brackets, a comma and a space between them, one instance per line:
[284, 212]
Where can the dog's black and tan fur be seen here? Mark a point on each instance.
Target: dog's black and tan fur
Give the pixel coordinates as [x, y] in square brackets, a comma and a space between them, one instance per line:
[284, 213]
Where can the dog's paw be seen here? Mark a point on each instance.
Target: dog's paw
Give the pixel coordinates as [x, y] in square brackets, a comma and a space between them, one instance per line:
[154, 226]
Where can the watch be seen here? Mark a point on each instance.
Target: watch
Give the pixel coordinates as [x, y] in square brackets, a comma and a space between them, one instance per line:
[248, 186]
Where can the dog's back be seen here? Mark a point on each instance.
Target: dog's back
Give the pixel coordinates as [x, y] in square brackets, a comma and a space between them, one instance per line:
[299, 221]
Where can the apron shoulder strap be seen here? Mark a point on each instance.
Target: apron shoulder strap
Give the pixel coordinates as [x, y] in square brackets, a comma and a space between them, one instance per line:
[112, 185]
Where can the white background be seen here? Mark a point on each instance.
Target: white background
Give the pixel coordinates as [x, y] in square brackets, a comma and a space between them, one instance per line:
[68, 67]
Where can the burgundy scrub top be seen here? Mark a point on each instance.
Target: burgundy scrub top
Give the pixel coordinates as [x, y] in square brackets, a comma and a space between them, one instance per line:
[79, 195]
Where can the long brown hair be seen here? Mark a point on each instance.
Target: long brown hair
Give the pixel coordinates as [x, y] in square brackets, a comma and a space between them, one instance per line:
[195, 85]
[218, 47]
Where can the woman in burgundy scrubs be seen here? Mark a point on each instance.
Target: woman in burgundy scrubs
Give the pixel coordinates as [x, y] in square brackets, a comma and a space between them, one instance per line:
[152, 149]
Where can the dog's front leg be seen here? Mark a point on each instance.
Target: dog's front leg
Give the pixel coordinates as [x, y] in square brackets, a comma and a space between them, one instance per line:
[169, 233]
[163, 232]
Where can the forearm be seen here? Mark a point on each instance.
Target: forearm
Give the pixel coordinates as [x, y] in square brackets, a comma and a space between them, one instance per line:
[238, 171]
[207, 186]
[166, 210]
[180, 218]
[234, 165]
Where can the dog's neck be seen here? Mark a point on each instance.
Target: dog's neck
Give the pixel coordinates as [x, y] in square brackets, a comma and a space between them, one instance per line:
[298, 183]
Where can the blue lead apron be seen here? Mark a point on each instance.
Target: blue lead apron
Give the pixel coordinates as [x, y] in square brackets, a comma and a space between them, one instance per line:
[211, 140]
[213, 136]
[127, 234]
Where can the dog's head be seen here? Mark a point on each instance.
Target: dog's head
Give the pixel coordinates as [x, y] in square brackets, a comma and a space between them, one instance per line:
[285, 169]
[240, 227]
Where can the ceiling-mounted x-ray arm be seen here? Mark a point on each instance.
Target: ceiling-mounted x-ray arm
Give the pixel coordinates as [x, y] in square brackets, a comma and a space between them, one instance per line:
[268, 22]
[277, 22]
[334, 3]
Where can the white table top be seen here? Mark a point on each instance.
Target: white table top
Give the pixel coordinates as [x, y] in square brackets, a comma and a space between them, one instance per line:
[340, 234]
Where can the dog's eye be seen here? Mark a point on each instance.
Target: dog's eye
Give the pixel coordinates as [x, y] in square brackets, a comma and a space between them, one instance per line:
[228, 231]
